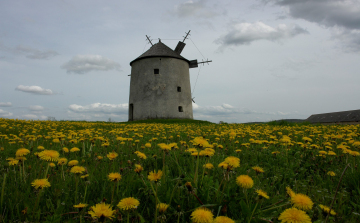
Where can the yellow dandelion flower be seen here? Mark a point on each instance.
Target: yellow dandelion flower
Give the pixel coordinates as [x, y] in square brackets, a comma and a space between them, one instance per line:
[22, 152]
[73, 163]
[13, 162]
[326, 209]
[77, 169]
[80, 205]
[262, 193]
[66, 150]
[202, 215]
[141, 155]
[56, 141]
[293, 215]
[52, 164]
[99, 157]
[128, 203]
[40, 147]
[302, 201]
[258, 169]
[114, 177]
[200, 141]
[353, 153]
[84, 176]
[40, 183]
[138, 168]
[223, 219]
[75, 149]
[112, 155]
[232, 161]
[102, 210]
[62, 161]
[238, 150]
[223, 165]
[331, 173]
[331, 153]
[245, 181]
[148, 145]
[20, 158]
[162, 207]
[49, 155]
[153, 176]
[290, 192]
[209, 166]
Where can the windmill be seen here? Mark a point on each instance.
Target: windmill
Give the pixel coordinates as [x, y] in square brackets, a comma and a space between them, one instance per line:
[160, 83]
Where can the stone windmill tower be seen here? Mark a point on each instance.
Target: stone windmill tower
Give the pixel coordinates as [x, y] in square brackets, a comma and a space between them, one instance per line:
[160, 84]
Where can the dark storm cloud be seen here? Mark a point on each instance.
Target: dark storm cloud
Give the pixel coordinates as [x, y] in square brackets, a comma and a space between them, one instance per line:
[341, 16]
[326, 12]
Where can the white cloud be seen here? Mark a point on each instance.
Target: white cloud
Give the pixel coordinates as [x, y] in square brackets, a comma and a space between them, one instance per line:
[5, 113]
[291, 68]
[245, 33]
[32, 53]
[82, 64]
[101, 108]
[227, 112]
[36, 108]
[349, 39]
[195, 9]
[30, 116]
[5, 104]
[34, 90]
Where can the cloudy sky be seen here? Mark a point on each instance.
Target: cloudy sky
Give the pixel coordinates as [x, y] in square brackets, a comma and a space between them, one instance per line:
[272, 59]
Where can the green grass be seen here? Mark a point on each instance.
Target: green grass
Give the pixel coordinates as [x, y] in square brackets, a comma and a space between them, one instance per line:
[294, 166]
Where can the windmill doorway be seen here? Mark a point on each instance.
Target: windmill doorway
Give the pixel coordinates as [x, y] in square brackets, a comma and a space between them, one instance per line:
[131, 112]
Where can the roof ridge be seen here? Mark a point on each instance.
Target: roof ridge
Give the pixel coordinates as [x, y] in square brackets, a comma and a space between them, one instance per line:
[160, 50]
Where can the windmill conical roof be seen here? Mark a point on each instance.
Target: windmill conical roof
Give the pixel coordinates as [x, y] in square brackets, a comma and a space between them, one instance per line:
[159, 50]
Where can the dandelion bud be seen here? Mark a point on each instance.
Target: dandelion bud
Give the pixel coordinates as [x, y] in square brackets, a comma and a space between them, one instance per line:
[189, 186]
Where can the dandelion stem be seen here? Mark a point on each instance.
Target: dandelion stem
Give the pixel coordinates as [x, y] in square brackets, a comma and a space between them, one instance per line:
[85, 193]
[276, 207]
[46, 172]
[62, 171]
[76, 188]
[112, 195]
[37, 202]
[253, 212]
[245, 192]
[337, 189]
[196, 170]
[24, 170]
[156, 203]
[3, 190]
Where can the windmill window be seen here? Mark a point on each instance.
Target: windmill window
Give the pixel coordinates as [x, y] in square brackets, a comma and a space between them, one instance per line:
[180, 109]
[179, 89]
[156, 71]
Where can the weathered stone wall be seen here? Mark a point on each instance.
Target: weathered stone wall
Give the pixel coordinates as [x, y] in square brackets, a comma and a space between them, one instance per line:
[156, 95]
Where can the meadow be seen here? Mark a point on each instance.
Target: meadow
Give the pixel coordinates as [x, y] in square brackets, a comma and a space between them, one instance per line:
[178, 171]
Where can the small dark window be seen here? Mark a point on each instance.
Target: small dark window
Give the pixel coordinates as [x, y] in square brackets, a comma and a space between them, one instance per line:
[179, 89]
[156, 71]
[180, 109]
